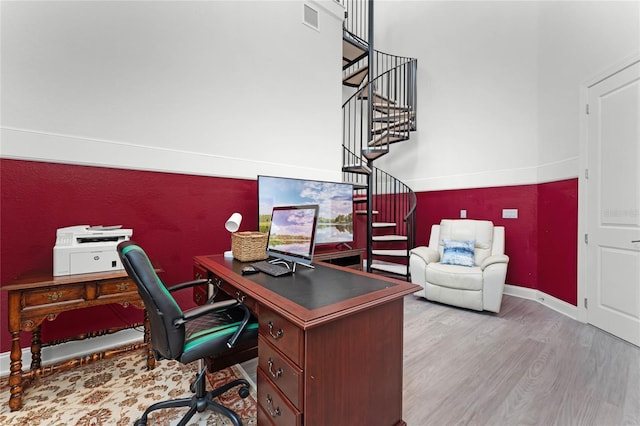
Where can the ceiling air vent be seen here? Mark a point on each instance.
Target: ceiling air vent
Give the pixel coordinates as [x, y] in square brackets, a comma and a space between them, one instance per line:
[310, 17]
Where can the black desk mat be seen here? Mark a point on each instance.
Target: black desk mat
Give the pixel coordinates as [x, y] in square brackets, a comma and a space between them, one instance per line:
[316, 288]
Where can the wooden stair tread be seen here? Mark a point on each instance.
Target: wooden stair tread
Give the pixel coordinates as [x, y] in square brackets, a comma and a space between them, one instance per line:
[373, 153]
[357, 168]
[388, 138]
[389, 238]
[380, 116]
[394, 268]
[388, 106]
[382, 127]
[355, 78]
[354, 40]
[390, 252]
[383, 224]
[352, 52]
[359, 186]
[377, 98]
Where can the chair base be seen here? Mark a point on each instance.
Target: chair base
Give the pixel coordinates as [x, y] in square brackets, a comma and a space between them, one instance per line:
[201, 401]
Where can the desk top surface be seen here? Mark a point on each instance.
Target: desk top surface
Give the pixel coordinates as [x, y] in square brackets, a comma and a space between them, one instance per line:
[310, 294]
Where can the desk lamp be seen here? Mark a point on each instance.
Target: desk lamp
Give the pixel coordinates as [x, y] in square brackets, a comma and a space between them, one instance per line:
[232, 225]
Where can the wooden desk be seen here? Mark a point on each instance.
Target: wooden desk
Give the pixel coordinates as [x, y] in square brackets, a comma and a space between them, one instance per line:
[351, 258]
[37, 296]
[330, 342]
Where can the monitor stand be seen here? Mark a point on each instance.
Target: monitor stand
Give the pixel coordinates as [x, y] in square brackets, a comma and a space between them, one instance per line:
[290, 264]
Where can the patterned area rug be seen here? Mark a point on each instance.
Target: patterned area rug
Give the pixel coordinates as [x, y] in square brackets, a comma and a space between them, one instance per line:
[117, 391]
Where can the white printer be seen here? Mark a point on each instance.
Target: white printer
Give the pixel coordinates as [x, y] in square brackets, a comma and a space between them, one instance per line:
[84, 249]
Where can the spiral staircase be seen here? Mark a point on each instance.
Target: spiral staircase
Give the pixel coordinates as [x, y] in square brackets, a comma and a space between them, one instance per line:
[380, 112]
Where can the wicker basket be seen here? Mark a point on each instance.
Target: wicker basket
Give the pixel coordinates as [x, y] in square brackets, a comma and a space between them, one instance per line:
[249, 245]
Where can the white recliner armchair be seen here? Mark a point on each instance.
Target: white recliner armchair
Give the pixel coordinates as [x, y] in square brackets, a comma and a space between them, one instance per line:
[464, 264]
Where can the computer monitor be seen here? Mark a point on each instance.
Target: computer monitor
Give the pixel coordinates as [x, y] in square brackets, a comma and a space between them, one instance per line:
[292, 233]
[334, 200]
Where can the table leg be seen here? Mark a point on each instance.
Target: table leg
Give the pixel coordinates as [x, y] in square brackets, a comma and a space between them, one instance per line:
[15, 378]
[36, 348]
[151, 359]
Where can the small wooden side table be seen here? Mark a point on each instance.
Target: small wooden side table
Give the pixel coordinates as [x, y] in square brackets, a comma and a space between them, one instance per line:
[36, 296]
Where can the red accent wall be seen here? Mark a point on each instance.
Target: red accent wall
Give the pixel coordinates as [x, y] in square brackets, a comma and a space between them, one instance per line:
[558, 239]
[175, 217]
[541, 244]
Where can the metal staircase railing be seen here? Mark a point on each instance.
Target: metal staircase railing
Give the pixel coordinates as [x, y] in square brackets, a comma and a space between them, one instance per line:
[356, 19]
[394, 111]
[394, 203]
[382, 111]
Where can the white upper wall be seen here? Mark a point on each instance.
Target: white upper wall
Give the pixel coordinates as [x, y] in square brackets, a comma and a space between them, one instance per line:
[224, 88]
[499, 85]
[578, 41]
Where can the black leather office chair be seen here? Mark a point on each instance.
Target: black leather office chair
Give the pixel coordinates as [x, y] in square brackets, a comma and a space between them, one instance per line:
[204, 331]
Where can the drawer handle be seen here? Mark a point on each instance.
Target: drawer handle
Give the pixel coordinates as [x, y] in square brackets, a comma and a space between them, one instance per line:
[240, 297]
[272, 412]
[278, 334]
[277, 373]
[122, 286]
[53, 296]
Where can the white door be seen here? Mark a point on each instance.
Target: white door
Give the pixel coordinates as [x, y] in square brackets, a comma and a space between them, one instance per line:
[613, 204]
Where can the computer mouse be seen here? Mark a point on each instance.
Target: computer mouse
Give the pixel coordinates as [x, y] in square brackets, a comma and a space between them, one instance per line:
[247, 270]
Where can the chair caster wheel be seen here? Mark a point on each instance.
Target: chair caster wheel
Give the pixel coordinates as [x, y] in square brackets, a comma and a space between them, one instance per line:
[243, 392]
[140, 422]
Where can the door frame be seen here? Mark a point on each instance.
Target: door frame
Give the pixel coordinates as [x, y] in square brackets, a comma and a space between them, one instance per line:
[582, 181]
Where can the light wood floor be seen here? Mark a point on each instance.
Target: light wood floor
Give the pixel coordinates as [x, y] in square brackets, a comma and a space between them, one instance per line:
[528, 365]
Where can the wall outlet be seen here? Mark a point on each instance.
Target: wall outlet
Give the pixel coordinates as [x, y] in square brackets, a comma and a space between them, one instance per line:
[509, 213]
[463, 214]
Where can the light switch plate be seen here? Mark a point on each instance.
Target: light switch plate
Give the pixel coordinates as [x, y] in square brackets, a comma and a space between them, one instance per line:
[463, 214]
[509, 213]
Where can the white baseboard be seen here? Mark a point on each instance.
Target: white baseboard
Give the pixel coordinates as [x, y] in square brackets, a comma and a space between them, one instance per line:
[543, 298]
[70, 350]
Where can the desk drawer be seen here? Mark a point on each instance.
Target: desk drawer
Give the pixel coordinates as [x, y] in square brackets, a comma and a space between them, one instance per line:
[200, 292]
[275, 407]
[124, 285]
[263, 418]
[50, 295]
[282, 372]
[234, 293]
[281, 334]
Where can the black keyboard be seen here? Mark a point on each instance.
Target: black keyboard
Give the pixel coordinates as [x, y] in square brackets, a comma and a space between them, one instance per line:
[271, 269]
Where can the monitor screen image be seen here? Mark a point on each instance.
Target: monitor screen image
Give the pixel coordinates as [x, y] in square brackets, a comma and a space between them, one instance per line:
[292, 233]
[335, 201]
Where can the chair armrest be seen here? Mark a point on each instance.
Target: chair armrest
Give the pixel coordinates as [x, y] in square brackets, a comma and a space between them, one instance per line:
[188, 284]
[245, 320]
[427, 254]
[194, 283]
[493, 259]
